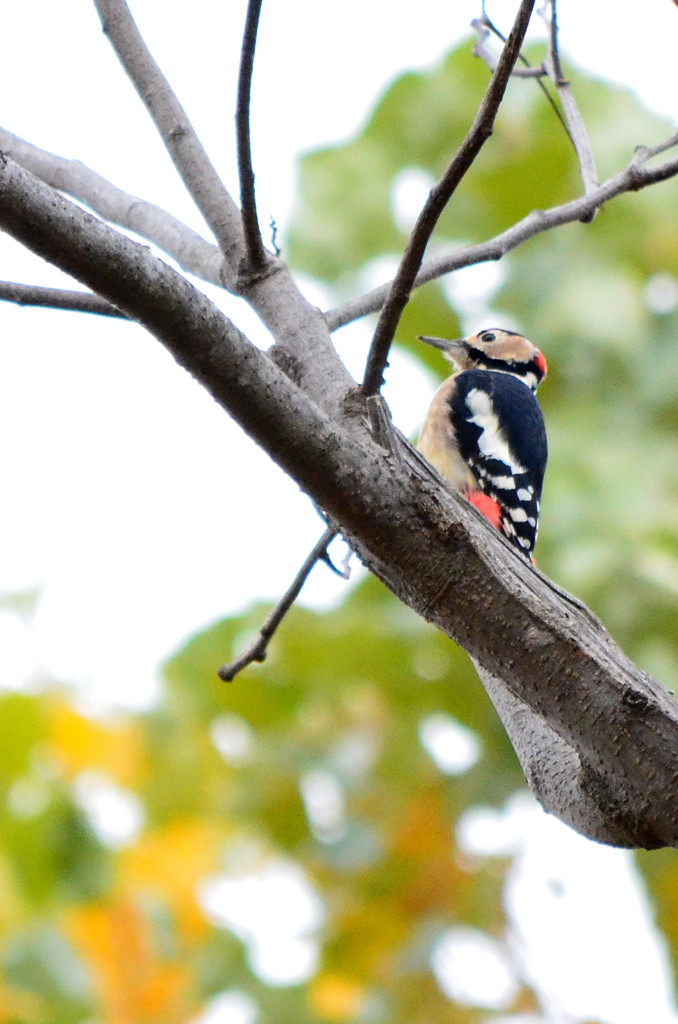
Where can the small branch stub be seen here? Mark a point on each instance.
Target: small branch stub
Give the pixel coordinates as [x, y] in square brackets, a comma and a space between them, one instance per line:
[58, 298]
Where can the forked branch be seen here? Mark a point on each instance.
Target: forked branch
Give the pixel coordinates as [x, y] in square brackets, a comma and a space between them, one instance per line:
[187, 152]
[190, 250]
[575, 122]
[552, 67]
[635, 176]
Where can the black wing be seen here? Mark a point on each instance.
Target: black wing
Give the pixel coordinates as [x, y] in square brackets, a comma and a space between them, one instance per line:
[501, 435]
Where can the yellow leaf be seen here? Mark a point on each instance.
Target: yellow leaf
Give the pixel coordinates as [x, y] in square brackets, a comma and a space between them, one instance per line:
[169, 864]
[82, 743]
[334, 997]
[134, 982]
[18, 1005]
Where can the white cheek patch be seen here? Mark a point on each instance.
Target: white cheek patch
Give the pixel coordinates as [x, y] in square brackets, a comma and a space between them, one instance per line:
[491, 442]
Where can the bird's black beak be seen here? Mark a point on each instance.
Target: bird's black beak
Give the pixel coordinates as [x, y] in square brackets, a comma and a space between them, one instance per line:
[451, 347]
[444, 344]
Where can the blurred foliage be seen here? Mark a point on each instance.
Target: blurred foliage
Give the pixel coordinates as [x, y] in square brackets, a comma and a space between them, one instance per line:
[111, 924]
[93, 924]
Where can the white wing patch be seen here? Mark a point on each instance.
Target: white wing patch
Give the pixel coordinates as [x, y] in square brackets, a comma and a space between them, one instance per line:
[505, 483]
[492, 443]
[518, 515]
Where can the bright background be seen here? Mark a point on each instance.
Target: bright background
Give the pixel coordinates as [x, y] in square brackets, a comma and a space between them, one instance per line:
[99, 425]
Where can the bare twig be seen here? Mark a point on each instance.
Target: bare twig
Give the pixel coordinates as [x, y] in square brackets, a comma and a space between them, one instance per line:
[632, 178]
[575, 122]
[190, 250]
[258, 650]
[254, 248]
[551, 22]
[483, 26]
[177, 132]
[440, 195]
[647, 152]
[57, 298]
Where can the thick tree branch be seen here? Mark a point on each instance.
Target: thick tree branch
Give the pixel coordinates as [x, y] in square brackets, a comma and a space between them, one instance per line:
[189, 249]
[176, 131]
[635, 176]
[607, 731]
[439, 197]
[254, 247]
[322, 372]
[57, 298]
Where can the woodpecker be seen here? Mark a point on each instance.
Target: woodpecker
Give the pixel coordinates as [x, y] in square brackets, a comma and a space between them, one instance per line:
[484, 431]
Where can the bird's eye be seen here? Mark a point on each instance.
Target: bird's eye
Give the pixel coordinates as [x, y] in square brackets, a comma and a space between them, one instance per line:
[488, 336]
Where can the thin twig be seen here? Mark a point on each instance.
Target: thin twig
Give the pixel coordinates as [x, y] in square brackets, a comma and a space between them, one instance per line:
[632, 178]
[575, 122]
[254, 247]
[185, 148]
[440, 195]
[258, 650]
[58, 298]
[552, 26]
[192, 252]
[481, 26]
[645, 153]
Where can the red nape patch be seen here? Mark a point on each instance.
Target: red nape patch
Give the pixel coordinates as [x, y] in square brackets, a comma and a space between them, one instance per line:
[541, 363]
[487, 505]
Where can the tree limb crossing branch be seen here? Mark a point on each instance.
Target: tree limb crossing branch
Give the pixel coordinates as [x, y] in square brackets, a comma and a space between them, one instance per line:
[635, 176]
[401, 287]
[607, 757]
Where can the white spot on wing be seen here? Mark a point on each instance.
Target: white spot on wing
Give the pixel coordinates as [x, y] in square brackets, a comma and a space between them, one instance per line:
[504, 483]
[518, 515]
[524, 493]
[491, 442]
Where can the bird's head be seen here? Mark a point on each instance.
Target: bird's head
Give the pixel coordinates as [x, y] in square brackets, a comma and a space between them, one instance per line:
[495, 349]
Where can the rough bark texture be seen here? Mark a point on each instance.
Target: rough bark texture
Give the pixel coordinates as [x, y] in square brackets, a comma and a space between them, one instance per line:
[597, 738]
